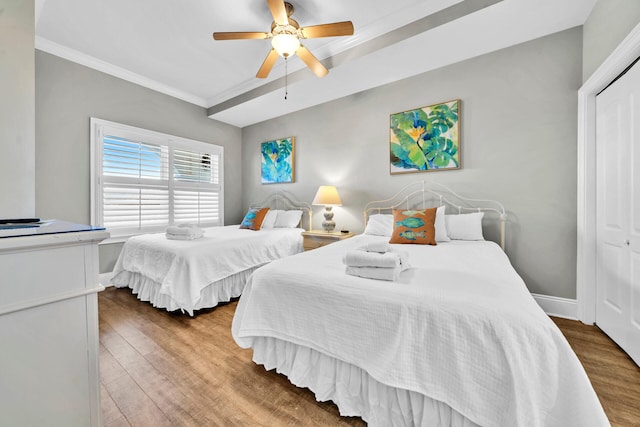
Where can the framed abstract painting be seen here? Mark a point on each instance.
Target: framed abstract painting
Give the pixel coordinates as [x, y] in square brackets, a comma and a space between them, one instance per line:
[277, 161]
[425, 139]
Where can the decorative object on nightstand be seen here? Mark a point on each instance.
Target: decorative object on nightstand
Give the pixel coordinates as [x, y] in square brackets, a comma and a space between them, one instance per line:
[328, 197]
[313, 239]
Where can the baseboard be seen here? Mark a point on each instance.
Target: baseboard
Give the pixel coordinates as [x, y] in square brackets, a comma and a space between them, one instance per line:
[556, 306]
[105, 279]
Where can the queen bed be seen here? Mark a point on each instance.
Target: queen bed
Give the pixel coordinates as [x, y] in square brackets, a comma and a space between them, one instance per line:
[457, 340]
[189, 275]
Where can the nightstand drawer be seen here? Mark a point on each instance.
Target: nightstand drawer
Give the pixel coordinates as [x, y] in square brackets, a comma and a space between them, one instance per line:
[311, 243]
[317, 238]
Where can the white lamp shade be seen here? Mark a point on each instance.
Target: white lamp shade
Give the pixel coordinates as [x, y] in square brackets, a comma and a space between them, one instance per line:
[327, 195]
[285, 44]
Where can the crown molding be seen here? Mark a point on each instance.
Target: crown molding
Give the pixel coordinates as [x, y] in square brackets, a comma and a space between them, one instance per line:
[72, 55]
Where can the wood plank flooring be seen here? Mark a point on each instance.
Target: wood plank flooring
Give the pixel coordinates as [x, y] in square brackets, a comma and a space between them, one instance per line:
[165, 369]
[614, 375]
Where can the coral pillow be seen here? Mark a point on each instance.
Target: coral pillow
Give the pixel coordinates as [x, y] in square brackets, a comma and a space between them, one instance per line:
[414, 226]
[253, 219]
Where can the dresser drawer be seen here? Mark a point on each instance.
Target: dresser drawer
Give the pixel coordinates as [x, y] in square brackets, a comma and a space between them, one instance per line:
[41, 273]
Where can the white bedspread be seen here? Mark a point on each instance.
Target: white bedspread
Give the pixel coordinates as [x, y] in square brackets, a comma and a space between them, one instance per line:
[459, 327]
[185, 267]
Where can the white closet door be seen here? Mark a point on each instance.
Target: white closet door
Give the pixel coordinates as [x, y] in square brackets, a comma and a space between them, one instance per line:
[618, 212]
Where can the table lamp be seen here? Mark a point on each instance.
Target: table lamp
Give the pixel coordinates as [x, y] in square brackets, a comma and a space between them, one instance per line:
[327, 195]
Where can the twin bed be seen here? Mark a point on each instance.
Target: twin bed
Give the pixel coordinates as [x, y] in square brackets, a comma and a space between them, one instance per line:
[457, 340]
[189, 275]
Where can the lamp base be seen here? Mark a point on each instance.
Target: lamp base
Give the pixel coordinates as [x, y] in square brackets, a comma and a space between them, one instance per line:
[328, 224]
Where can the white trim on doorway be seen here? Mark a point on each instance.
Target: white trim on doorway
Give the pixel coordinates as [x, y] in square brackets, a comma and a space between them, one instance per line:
[616, 63]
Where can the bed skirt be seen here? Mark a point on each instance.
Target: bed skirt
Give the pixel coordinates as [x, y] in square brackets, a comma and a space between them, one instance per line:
[216, 292]
[352, 389]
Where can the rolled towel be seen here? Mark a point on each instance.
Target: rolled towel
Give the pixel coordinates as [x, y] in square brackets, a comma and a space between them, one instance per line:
[380, 247]
[362, 258]
[390, 274]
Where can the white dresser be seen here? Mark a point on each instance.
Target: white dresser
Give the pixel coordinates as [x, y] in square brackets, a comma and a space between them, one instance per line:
[49, 348]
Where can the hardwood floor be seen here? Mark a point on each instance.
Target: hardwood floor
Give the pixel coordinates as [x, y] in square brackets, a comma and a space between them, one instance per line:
[164, 369]
[614, 376]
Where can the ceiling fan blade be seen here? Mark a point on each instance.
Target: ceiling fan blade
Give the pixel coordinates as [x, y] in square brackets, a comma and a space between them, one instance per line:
[279, 11]
[240, 36]
[311, 61]
[267, 65]
[344, 28]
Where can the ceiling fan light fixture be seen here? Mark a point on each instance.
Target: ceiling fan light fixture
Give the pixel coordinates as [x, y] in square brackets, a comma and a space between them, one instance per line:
[285, 37]
[285, 44]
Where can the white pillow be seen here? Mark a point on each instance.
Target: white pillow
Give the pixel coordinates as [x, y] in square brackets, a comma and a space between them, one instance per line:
[380, 225]
[465, 226]
[288, 219]
[269, 219]
[440, 226]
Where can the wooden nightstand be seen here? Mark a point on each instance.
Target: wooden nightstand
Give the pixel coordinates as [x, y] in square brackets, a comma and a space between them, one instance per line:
[316, 238]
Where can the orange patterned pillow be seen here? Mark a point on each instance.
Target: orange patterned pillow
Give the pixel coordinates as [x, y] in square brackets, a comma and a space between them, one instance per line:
[253, 219]
[414, 226]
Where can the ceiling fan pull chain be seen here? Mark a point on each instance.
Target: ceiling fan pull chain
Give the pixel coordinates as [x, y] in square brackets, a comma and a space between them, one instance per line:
[285, 79]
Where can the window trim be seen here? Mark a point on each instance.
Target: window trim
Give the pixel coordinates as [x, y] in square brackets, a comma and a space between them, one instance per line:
[100, 127]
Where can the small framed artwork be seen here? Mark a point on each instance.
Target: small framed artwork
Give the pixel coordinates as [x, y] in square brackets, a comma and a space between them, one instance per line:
[425, 139]
[277, 161]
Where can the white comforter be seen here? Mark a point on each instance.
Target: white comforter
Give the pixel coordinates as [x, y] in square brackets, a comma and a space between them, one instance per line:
[184, 267]
[459, 327]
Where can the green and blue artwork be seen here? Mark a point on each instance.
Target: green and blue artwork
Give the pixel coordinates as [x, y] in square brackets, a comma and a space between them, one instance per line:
[277, 161]
[425, 139]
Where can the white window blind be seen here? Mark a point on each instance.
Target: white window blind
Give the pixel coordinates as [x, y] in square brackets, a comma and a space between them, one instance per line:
[145, 181]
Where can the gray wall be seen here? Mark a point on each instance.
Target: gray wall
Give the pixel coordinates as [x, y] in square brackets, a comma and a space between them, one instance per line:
[17, 109]
[519, 109]
[608, 24]
[68, 94]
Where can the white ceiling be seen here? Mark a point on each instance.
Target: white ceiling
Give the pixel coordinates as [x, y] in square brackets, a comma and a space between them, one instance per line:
[167, 45]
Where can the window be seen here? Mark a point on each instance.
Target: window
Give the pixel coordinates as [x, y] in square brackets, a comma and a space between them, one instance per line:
[143, 181]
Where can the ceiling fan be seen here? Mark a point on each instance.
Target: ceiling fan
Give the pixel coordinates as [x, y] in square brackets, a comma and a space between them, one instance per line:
[285, 38]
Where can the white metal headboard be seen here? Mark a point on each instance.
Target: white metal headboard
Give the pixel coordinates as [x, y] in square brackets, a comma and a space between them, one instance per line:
[283, 200]
[422, 193]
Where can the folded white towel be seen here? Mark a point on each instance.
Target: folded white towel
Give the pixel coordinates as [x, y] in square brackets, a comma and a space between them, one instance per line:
[362, 258]
[184, 232]
[183, 229]
[380, 247]
[377, 273]
[191, 236]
